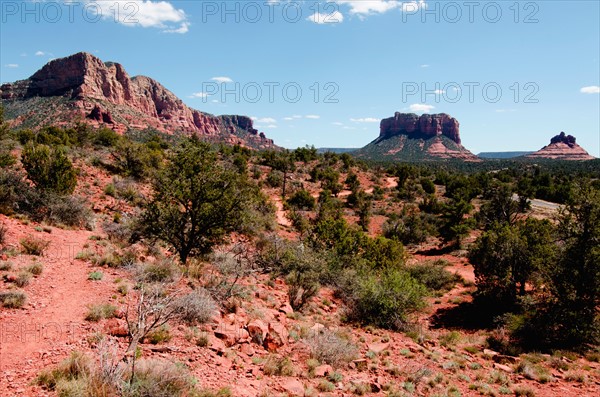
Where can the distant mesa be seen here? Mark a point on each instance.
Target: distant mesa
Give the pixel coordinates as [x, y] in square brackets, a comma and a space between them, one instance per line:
[408, 136]
[425, 126]
[82, 88]
[562, 147]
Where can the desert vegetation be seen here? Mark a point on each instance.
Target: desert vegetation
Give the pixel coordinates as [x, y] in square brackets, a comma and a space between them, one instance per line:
[297, 270]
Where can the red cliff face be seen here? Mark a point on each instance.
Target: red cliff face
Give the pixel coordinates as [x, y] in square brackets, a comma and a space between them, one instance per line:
[104, 93]
[425, 126]
[562, 147]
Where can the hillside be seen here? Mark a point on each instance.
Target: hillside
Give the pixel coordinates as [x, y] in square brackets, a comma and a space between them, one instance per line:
[83, 89]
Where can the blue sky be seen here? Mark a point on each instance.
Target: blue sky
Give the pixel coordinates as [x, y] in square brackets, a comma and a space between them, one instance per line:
[365, 60]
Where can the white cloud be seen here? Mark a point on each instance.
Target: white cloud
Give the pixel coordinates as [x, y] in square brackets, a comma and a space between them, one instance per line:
[413, 6]
[420, 108]
[41, 54]
[337, 123]
[424, 66]
[199, 95]
[439, 92]
[313, 117]
[592, 89]
[222, 79]
[369, 7]
[288, 118]
[326, 18]
[266, 120]
[366, 120]
[11, 65]
[294, 117]
[145, 13]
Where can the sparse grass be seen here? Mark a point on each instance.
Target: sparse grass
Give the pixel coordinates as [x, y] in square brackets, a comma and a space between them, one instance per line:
[99, 312]
[196, 307]
[5, 266]
[12, 299]
[576, 376]
[325, 386]
[122, 289]
[330, 348]
[35, 268]
[533, 371]
[202, 340]
[524, 391]
[84, 255]
[278, 366]
[335, 377]
[360, 388]
[593, 356]
[31, 245]
[159, 335]
[95, 276]
[23, 279]
[158, 272]
[450, 338]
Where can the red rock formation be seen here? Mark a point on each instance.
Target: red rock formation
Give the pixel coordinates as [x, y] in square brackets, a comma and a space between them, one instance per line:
[139, 102]
[425, 126]
[562, 147]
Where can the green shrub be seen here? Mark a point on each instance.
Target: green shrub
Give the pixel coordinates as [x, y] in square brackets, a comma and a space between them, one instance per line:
[106, 137]
[275, 178]
[95, 276]
[433, 275]
[49, 168]
[385, 300]
[157, 272]
[70, 211]
[302, 200]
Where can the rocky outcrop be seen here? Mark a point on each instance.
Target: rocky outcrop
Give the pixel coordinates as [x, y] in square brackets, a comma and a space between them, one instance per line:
[407, 137]
[562, 147]
[425, 126]
[104, 93]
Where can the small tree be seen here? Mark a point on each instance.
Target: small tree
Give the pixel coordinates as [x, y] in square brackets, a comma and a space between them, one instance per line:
[49, 168]
[508, 258]
[198, 200]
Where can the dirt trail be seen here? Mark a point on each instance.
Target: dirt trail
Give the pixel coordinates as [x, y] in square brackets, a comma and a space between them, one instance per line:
[51, 323]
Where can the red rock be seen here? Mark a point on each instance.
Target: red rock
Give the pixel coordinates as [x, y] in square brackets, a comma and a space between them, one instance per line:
[323, 370]
[437, 136]
[293, 387]
[377, 348]
[277, 336]
[258, 331]
[562, 147]
[427, 126]
[286, 308]
[116, 327]
[139, 102]
[231, 335]
[247, 350]
[217, 345]
[503, 367]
